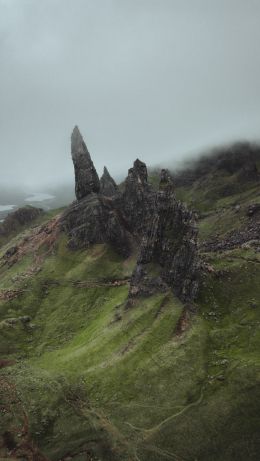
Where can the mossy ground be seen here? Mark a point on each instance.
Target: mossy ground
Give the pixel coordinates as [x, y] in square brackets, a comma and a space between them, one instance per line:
[126, 384]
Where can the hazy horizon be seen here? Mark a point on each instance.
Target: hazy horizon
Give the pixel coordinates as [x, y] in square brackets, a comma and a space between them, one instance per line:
[141, 78]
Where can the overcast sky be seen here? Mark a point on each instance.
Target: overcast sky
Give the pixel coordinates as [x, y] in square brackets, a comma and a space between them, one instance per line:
[149, 78]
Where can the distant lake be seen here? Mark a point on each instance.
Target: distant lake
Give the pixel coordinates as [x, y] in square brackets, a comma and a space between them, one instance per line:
[39, 197]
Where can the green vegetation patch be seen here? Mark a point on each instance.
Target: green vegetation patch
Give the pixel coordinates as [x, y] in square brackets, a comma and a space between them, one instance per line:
[150, 382]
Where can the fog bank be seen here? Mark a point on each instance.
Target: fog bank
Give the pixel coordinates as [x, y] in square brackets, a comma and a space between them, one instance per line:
[142, 78]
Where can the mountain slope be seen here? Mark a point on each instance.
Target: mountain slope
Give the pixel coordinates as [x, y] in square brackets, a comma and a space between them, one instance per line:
[84, 376]
[87, 369]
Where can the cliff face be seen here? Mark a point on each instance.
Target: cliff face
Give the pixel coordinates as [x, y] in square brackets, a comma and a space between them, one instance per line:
[94, 219]
[161, 226]
[168, 254]
[138, 199]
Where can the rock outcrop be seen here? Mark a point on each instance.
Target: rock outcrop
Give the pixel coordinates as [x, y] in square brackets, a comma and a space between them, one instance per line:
[162, 227]
[94, 219]
[168, 254]
[108, 187]
[138, 199]
[86, 177]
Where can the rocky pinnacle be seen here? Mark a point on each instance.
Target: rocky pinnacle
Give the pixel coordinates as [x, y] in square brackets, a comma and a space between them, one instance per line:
[86, 177]
[108, 186]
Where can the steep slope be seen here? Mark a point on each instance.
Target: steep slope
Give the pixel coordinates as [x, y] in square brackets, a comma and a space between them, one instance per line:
[86, 377]
[151, 382]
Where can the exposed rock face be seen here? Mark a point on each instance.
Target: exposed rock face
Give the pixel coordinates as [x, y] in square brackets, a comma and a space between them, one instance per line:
[108, 186]
[168, 254]
[95, 220]
[86, 177]
[138, 198]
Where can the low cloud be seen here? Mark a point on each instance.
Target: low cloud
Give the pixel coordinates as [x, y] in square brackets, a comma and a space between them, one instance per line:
[142, 78]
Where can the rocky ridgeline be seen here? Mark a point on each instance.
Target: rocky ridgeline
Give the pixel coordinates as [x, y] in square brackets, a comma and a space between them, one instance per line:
[162, 227]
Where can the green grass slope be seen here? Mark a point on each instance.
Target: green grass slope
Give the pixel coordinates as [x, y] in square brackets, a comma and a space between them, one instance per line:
[221, 200]
[89, 379]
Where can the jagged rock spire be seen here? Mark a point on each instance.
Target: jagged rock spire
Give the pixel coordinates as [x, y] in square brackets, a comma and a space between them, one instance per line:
[86, 177]
[138, 173]
[138, 197]
[108, 187]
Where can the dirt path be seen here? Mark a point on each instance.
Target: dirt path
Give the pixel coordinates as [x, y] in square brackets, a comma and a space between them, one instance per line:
[151, 431]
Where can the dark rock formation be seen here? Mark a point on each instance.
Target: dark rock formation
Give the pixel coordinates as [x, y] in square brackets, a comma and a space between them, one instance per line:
[138, 199]
[168, 254]
[86, 178]
[18, 218]
[95, 220]
[108, 186]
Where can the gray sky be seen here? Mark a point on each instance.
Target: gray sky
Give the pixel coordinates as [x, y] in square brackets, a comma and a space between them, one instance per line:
[149, 78]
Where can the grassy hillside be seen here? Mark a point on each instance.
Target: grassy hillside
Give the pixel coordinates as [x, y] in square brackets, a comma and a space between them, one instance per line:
[89, 379]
